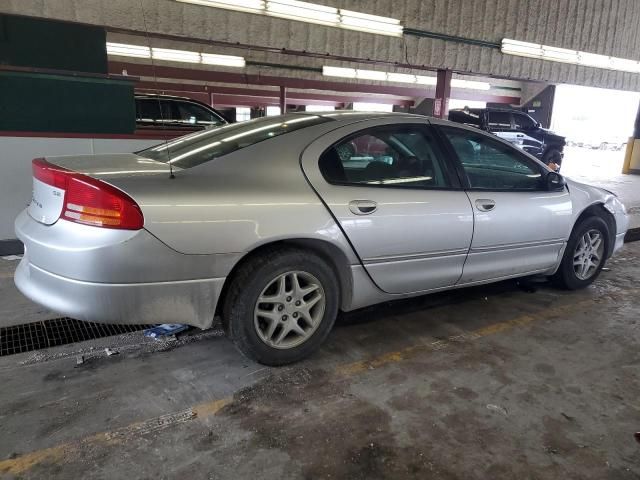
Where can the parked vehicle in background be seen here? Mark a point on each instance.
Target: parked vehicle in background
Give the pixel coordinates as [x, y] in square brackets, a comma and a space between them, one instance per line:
[178, 113]
[279, 222]
[613, 143]
[516, 127]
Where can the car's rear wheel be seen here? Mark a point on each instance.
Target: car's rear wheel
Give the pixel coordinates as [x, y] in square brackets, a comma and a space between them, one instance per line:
[281, 305]
[585, 254]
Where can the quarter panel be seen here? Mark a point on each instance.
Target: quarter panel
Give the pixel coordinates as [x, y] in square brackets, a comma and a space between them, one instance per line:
[235, 203]
[87, 253]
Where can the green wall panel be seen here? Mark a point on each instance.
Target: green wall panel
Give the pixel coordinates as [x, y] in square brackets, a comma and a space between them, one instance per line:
[37, 43]
[56, 103]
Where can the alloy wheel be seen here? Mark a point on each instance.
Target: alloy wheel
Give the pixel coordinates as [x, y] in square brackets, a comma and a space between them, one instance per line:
[588, 254]
[289, 309]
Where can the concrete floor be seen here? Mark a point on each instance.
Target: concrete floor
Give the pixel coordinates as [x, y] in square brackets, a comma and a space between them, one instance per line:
[497, 382]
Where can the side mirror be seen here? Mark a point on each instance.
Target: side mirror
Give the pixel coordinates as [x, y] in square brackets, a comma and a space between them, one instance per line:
[555, 182]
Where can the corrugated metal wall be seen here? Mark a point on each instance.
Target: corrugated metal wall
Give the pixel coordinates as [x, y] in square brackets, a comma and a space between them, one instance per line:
[600, 26]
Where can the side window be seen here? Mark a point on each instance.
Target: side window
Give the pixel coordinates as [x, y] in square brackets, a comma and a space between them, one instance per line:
[523, 122]
[400, 156]
[491, 165]
[191, 113]
[148, 110]
[499, 120]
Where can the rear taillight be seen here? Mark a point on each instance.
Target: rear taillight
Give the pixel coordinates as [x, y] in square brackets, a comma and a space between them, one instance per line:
[88, 200]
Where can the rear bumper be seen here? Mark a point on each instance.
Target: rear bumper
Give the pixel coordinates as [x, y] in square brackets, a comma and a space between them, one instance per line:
[116, 276]
[192, 302]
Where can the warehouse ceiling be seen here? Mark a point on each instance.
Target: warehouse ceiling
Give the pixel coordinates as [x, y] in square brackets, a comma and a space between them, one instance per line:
[467, 41]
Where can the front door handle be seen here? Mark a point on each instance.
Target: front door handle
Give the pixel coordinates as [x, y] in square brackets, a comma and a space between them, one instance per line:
[485, 204]
[363, 207]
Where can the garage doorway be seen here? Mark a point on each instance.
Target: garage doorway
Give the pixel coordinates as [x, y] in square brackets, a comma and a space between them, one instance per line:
[597, 124]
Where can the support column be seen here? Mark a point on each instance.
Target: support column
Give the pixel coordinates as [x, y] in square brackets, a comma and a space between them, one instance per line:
[283, 100]
[632, 156]
[443, 93]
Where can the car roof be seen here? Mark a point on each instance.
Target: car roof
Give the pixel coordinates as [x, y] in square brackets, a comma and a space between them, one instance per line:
[167, 97]
[346, 117]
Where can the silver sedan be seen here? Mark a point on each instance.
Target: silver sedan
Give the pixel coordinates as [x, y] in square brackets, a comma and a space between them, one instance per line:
[277, 223]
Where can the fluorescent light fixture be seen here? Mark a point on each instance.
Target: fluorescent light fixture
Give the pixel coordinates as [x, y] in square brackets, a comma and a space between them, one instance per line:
[564, 55]
[319, 108]
[401, 77]
[594, 60]
[426, 80]
[251, 6]
[126, 50]
[338, 72]
[524, 49]
[303, 11]
[371, 75]
[223, 60]
[175, 55]
[625, 65]
[470, 84]
[372, 107]
[370, 23]
[559, 54]
[311, 13]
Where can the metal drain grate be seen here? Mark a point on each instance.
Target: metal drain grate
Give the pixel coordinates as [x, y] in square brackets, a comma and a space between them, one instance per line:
[54, 332]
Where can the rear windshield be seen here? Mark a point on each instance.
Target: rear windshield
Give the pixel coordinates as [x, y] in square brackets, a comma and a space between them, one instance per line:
[201, 147]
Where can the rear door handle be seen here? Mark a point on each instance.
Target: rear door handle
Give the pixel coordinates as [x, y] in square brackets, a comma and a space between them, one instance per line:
[485, 204]
[363, 207]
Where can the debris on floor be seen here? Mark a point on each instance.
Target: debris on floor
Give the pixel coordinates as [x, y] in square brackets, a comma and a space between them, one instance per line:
[497, 408]
[110, 352]
[165, 330]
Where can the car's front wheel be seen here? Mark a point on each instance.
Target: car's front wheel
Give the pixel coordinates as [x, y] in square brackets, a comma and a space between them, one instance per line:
[585, 254]
[281, 305]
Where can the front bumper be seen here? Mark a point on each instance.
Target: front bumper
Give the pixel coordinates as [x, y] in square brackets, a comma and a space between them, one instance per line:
[192, 302]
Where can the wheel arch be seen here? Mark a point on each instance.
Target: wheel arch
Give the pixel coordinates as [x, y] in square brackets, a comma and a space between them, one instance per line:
[332, 254]
[599, 210]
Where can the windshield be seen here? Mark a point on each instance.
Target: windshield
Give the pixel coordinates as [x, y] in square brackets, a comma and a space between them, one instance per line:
[201, 147]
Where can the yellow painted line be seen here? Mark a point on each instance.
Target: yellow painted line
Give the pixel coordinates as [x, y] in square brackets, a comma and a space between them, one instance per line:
[400, 355]
[57, 453]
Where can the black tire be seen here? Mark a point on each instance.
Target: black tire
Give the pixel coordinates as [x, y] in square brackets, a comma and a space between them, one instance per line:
[248, 283]
[553, 155]
[566, 276]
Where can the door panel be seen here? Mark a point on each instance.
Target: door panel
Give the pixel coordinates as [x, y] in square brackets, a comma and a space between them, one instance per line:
[524, 232]
[409, 239]
[415, 239]
[520, 227]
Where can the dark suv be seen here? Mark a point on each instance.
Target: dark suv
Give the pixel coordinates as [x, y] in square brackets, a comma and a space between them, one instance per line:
[178, 113]
[516, 127]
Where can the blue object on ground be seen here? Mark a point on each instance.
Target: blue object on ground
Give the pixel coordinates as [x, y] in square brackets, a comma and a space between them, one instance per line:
[165, 329]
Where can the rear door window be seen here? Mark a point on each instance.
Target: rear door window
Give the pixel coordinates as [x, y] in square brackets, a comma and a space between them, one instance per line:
[523, 122]
[192, 114]
[152, 110]
[500, 120]
[399, 156]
